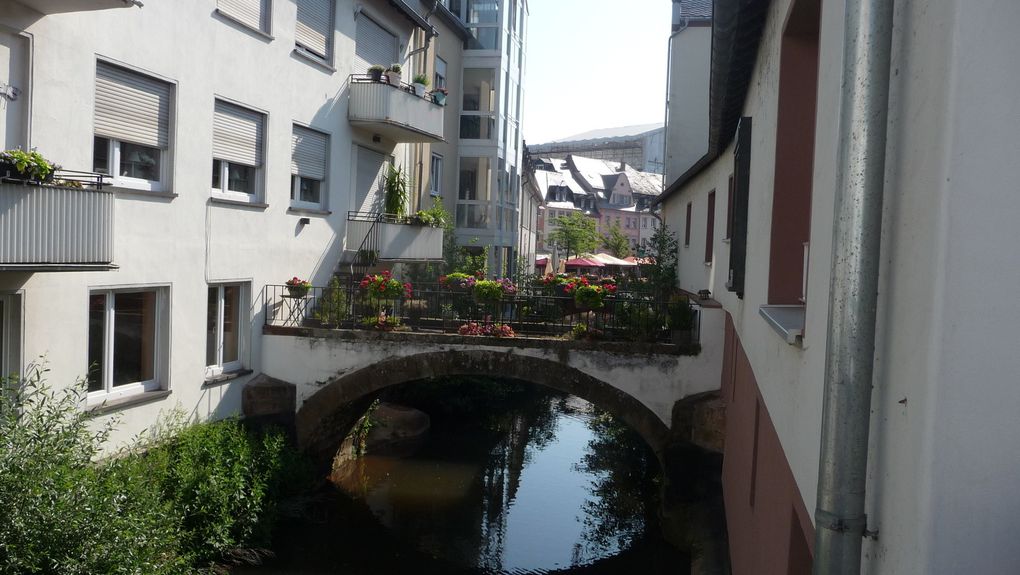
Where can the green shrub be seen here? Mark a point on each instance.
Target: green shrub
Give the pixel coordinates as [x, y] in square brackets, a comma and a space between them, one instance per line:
[62, 513]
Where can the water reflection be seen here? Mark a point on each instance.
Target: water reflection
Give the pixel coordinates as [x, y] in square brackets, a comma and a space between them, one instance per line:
[512, 478]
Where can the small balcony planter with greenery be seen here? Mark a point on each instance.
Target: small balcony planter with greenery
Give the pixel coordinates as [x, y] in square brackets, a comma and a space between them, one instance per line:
[393, 74]
[487, 329]
[458, 281]
[589, 297]
[493, 291]
[25, 166]
[297, 287]
[382, 286]
[421, 84]
[439, 96]
[375, 72]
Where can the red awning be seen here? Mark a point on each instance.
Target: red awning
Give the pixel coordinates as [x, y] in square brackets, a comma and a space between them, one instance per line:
[541, 261]
[583, 263]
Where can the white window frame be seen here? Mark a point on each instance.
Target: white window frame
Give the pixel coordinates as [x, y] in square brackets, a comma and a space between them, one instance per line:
[225, 193]
[113, 168]
[10, 334]
[161, 345]
[436, 179]
[219, 367]
[295, 192]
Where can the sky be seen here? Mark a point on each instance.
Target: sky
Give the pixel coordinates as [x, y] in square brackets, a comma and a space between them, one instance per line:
[594, 64]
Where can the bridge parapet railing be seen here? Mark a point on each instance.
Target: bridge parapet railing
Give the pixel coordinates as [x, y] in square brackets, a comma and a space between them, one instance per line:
[626, 316]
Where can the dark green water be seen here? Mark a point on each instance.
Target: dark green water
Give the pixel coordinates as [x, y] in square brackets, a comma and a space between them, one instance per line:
[512, 478]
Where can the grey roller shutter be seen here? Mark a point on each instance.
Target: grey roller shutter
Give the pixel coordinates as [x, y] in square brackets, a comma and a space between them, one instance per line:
[249, 12]
[308, 153]
[314, 30]
[238, 134]
[370, 179]
[132, 107]
[374, 45]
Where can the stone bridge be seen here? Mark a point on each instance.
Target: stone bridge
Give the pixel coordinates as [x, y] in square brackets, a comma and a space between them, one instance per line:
[321, 374]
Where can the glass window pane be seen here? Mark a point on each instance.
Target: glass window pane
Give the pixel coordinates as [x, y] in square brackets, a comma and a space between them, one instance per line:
[310, 190]
[212, 315]
[217, 170]
[479, 90]
[483, 11]
[483, 39]
[240, 178]
[97, 322]
[477, 127]
[475, 179]
[473, 216]
[231, 322]
[139, 161]
[100, 155]
[134, 338]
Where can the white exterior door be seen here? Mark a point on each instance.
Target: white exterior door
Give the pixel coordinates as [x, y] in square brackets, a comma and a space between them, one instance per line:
[371, 175]
[13, 91]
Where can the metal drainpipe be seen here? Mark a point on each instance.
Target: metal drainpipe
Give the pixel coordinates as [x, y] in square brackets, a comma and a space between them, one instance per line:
[840, 520]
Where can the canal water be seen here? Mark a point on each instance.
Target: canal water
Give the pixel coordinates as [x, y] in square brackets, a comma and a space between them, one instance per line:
[511, 479]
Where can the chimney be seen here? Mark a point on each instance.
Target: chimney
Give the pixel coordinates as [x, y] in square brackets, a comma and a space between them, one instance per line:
[623, 167]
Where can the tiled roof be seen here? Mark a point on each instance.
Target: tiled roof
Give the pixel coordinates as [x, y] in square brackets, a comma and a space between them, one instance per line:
[612, 133]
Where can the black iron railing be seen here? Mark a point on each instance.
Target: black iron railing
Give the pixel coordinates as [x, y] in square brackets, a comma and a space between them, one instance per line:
[532, 312]
[60, 178]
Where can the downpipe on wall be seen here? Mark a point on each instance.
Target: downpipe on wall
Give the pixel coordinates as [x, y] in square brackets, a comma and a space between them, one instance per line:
[840, 520]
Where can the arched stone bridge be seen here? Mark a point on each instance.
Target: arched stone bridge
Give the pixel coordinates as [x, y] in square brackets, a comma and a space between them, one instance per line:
[325, 371]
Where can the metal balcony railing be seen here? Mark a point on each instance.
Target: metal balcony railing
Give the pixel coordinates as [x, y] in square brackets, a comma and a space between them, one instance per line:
[394, 111]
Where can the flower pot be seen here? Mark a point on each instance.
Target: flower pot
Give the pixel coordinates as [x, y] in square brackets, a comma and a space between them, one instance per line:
[419, 90]
[376, 75]
[297, 291]
[439, 98]
[393, 78]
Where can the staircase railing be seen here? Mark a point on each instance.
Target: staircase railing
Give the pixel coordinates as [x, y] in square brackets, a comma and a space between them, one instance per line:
[368, 252]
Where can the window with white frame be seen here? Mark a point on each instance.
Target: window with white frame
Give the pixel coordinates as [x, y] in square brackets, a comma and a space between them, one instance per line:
[224, 328]
[313, 32]
[308, 154]
[238, 143]
[440, 75]
[131, 141]
[254, 14]
[128, 341]
[436, 176]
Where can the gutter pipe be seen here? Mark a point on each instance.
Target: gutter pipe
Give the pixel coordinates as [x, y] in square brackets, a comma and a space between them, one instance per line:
[840, 519]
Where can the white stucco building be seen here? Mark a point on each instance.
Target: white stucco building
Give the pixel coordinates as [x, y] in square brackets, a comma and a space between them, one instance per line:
[754, 209]
[239, 139]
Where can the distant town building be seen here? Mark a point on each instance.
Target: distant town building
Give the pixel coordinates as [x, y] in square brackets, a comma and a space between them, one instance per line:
[640, 146]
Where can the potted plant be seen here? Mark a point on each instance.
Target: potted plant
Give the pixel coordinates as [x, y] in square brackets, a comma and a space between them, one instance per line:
[439, 96]
[393, 74]
[421, 83]
[487, 291]
[382, 286]
[26, 166]
[333, 307]
[375, 71]
[395, 190]
[457, 281]
[298, 288]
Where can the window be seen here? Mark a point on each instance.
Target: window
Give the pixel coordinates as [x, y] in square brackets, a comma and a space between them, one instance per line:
[644, 223]
[710, 227]
[687, 227]
[132, 128]
[238, 135]
[254, 14]
[374, 45]
[436, 176]
[478, 121]
[741, 184]
[128, 341]
[313, 34]
[308, 154]
[224, 328]
[440, 76]
[729, 208]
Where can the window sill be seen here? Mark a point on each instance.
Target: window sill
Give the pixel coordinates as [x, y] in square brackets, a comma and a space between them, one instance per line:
[238, 203]
[121, 191]
[225, 377]
[726, 240]
[312, 58]
[129, 401]
[247, 28]
[708, 264]
[308, 211]
[786, 320]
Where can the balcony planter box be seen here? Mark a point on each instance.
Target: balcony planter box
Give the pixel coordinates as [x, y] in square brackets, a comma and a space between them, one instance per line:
[297, 291]
[439, 98]
[10, 171]
[419, 89]
[393, 78]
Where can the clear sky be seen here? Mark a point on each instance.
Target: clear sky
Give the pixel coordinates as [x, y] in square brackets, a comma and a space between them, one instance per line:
[594, 64]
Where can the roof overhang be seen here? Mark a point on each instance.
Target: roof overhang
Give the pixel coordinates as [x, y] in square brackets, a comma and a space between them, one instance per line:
[415, 18]
[736, 33]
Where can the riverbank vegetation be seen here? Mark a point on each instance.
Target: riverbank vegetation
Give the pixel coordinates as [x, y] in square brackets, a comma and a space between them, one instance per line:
[178, 502]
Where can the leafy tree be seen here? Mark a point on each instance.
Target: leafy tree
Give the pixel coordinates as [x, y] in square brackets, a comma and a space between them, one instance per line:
[616, 242]
[662, 247]
[576, 233]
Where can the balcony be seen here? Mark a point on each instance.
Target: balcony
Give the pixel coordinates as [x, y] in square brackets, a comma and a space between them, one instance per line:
[61, 6]
[54, 228]
[394, 112]
[386, 238]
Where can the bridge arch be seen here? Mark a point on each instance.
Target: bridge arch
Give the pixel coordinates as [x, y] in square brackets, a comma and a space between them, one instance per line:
[322, 420]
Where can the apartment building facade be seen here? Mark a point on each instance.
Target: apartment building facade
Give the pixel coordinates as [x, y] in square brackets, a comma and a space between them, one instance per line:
[756, 204]
[236, 138]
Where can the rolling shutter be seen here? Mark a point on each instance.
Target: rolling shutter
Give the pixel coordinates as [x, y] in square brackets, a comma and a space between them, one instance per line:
[374, 45]
[308, 153]
[369, 194]
[237, 134]
[248, 12]
[131, 107]
[314, 30]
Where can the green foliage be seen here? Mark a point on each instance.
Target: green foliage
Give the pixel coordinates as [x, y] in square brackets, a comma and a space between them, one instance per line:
[589, 296]
[395, 188]
[681, 313]
[31, 165]
[333, 307]
[395, 68]
[616, 242]
[639, 321]
[60, 513]
[575, 233]
[362, 427]
[421, 79]
[436, 216]
[488, 291]
[662, 247]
